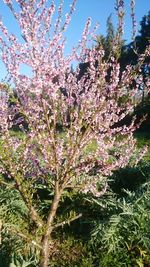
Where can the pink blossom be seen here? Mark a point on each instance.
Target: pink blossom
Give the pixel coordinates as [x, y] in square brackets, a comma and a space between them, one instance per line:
[65, 110]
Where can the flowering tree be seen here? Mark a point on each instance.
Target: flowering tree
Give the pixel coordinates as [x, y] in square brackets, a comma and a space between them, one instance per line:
[64, 112]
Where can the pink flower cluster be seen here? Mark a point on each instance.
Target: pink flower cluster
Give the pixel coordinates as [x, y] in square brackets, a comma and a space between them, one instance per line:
[65, 111]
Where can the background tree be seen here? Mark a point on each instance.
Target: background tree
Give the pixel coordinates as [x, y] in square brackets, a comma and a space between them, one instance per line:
[131, 51]
[107, 42]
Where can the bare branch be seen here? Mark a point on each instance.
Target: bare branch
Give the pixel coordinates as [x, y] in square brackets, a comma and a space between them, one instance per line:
[67, 221]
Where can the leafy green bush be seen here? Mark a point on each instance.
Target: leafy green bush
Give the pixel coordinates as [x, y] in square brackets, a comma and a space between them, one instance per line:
[124, 236]
[14, 219]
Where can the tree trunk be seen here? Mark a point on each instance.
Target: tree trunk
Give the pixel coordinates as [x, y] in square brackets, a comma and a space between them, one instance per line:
[44, 256]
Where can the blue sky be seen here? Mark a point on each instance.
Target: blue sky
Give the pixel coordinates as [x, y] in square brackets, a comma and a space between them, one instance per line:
[98, 10]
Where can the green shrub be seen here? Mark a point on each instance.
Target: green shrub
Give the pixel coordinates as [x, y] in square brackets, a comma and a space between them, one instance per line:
[124, 236]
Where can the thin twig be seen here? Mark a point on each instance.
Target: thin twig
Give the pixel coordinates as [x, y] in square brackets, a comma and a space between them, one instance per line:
[67, 221]
[24, 237]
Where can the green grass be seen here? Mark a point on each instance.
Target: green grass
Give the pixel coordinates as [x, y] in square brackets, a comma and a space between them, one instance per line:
[143, 139]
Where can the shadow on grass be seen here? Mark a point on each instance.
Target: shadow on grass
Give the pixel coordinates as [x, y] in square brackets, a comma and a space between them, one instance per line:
[129, 178]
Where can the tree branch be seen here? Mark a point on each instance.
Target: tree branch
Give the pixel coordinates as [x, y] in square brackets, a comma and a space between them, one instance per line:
[24, 236]
[18, 186]
[67, 221]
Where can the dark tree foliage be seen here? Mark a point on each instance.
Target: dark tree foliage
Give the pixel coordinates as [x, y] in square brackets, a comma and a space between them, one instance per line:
[131, 51]
[107, 42]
